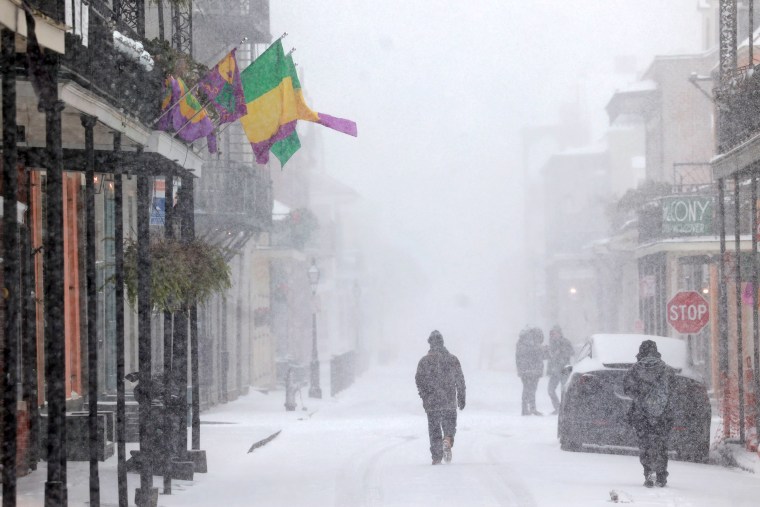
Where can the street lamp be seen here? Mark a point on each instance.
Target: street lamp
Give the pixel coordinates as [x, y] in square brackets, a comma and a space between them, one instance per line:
[314, 390]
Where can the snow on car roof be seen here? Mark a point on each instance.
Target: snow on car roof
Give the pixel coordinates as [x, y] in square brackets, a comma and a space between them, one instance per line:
[622, 348]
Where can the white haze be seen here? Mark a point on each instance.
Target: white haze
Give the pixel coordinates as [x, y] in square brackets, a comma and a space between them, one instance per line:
[440, 91]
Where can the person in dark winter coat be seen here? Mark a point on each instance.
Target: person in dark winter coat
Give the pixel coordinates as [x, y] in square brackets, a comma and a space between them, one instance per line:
[560, 352]
[649, 383]
[440, 384]
[530, 366]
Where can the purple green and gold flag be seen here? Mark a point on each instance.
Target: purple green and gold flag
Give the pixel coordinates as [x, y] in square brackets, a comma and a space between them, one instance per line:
[189, 118]
[224, 89]
[284, 147]
[167, 102]
[274, 102]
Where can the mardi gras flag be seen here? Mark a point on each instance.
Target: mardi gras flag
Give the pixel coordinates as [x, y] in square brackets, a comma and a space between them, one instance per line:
[183, 114]
[190, 120]
[285, 147]
[167, 103]
[274, 102]
[224, 89]
[304, 112]
[268, 93]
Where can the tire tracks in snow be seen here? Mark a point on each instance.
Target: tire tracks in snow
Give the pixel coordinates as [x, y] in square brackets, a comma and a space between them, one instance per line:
[499, 477]
[355, 485]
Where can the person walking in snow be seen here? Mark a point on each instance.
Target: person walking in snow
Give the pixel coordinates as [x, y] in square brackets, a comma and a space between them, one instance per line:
[559, 353]
[649, 383]
[440, 384]
[530, 366]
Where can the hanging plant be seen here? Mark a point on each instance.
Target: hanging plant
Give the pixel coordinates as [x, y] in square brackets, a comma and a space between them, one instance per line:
[182, 274]
[302, 224]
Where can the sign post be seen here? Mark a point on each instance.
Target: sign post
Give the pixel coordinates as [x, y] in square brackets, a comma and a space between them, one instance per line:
[688, 312]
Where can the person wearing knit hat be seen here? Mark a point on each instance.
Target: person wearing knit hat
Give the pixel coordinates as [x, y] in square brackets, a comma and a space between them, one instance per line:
[649, 384]
[440, 384]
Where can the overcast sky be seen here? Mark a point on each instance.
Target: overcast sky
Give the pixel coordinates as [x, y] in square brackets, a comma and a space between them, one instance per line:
[440, 91]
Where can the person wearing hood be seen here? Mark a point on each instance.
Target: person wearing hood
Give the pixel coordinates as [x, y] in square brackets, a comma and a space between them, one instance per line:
[440, 384]
[649, 383]
[559, 352]
[529, 356]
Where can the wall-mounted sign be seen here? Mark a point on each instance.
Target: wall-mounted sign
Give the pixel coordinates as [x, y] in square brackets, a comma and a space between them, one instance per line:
[687, 215]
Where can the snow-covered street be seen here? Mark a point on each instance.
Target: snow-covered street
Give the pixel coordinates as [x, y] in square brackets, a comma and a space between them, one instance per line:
[368, 446]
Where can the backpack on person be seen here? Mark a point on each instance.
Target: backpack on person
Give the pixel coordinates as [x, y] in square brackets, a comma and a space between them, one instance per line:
[655, 402]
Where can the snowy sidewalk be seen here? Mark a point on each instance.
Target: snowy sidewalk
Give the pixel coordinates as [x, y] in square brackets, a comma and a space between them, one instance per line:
[227, 433]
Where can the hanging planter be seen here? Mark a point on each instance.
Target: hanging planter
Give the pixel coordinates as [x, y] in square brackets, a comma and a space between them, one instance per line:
[182, 274]
[303, 223]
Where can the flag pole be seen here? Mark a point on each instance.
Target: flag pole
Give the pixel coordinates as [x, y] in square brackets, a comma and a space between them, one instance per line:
[201, 110]
[174, 105]
[217, 134]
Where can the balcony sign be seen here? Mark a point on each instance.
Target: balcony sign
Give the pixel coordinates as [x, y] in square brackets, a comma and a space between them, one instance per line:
[687, 215]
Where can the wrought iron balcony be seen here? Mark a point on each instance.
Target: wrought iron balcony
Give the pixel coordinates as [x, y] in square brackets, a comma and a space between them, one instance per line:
[112, 75]
[233, 202]
[738, 108]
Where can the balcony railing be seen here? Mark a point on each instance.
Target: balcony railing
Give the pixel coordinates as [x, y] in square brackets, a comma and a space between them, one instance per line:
[234, 195]
[102, 69]
[738, 108]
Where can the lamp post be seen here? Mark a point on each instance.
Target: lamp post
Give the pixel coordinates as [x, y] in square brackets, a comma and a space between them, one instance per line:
[314, 390]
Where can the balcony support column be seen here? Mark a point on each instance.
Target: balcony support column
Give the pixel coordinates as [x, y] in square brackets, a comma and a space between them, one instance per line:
[11, 276]
[723, 309]
[755, 312]
[89, 122]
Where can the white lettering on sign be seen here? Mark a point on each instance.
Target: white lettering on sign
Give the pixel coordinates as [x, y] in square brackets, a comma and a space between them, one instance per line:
[687, 312]
[683, 211]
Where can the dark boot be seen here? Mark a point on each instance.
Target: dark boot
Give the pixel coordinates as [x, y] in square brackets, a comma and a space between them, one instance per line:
[649, 479]
[662, 479]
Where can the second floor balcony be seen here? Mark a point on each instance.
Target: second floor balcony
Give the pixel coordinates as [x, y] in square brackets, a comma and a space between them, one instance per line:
[233, 202]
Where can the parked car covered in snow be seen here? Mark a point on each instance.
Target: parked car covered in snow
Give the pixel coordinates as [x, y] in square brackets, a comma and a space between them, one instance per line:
[593, 412]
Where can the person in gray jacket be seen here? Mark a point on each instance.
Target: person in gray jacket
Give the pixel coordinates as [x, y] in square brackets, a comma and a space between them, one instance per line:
[649, 383]
[529, 356]
[440, 384]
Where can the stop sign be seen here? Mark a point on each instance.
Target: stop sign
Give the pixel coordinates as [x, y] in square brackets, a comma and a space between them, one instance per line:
[688, 312]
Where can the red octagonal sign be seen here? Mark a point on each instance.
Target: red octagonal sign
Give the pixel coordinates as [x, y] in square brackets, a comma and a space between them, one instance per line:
[688, 312]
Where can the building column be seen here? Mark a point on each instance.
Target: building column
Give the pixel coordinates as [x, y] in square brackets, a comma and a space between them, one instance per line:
[11, 277]
[723, 308]
[89, 122]
[121, 409]
[146, 495]
[738, 296]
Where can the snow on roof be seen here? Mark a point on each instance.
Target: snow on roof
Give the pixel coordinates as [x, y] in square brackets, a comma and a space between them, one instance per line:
[622, 349]
[643, 85]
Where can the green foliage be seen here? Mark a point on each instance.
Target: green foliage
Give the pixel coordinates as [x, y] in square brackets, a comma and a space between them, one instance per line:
[182, 274]
[170, 61]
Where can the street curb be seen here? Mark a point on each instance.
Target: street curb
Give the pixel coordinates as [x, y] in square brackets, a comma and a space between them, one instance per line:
[264, 442]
